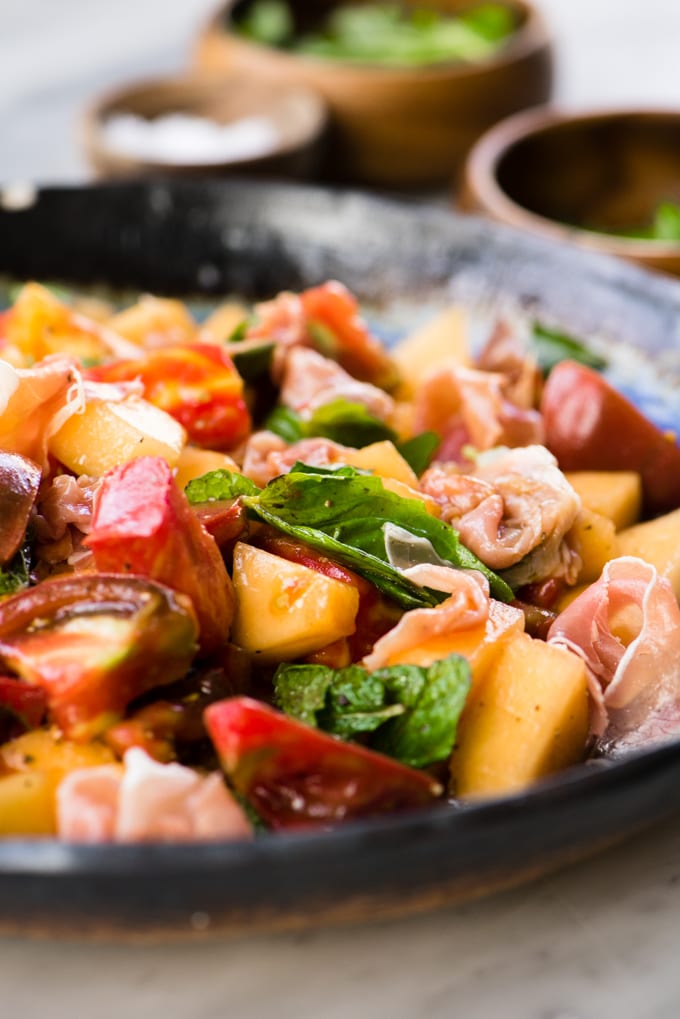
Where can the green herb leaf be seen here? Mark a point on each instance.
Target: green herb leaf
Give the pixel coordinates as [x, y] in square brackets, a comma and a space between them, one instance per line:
[412, 711]
[16, 574]
[343, 421]
[252, 358]
[435, 698]
[550, 346]
[418, 451]
[217, 485]
[268, 22]
[343, 510]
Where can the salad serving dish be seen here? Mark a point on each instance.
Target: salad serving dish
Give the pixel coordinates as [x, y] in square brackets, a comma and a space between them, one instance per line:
[202, 239]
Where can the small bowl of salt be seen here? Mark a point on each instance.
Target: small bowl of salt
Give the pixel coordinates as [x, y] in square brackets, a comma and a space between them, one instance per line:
[206, 125]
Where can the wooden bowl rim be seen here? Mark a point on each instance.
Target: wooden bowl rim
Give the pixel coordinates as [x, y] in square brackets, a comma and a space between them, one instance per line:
[531, 36]
[117, 97]
[483, 161]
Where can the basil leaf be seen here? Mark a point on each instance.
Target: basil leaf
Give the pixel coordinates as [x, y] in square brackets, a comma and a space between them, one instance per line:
[287, 424]
[351, 509]
[550, 346]
[268, 22]
[667, 222]
[341, 420]
[349, 424]
[16, 574]
[218, 485]
[413, 712]
[418, 451]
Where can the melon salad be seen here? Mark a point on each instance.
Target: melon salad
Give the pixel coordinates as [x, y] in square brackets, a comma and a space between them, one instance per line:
[259, 572]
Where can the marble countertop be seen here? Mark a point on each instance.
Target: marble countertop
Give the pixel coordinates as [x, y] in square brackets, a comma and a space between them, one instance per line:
[595, 941]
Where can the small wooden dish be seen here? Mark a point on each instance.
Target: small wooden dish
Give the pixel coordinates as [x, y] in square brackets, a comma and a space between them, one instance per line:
[562, 175]
[397, 127]
[298, 115]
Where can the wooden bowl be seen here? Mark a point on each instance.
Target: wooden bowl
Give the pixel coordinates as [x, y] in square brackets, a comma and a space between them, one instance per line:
[397, 127]
[562, 175]
[298, 115]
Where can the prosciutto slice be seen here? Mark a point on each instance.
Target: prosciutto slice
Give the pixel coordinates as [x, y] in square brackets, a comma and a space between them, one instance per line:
[311, 380]
[515, 504]
[467, 606]
[145, 800]
[460, 402]
[35, 403]
[267, 456]
[626, 628]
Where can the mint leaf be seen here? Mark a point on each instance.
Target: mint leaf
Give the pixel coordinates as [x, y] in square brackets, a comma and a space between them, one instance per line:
[435, 698]
[418, 451]
[550, 346]
[411, 712]
[217, 485]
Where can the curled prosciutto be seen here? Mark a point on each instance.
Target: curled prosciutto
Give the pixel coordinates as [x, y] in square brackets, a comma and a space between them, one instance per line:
[267, 456]
[144, 801]
[468, 407]
[513, 511]
[36, 402]
[94, 642]
[311, 381]
[626, 628]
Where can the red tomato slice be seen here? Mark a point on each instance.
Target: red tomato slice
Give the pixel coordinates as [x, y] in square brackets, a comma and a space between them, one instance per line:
[196, 383]
[298, 777]
[143, 524]
[589, 426]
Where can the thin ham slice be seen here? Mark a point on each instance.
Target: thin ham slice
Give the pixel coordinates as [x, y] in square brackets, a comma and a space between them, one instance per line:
[311, 380]
[515, 504]
[267, 456]
[626, 628]
[467, 606]
[452, 401]
[36, 402]
[144, 801]
[506, 353]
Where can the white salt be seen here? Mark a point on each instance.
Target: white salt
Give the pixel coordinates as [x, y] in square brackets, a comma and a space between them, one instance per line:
[184, 139]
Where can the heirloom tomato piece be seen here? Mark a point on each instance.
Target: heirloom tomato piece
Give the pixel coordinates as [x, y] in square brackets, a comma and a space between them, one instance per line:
[195, 383]
[591, 427]
[333, 319]
[95, 642]
[19, 483]
[297, 777]
[22, 707]
[143, 524]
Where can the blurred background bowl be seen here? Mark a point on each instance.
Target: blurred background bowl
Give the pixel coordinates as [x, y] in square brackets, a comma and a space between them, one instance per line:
[297, 116]
[396, 127]
[569, 176]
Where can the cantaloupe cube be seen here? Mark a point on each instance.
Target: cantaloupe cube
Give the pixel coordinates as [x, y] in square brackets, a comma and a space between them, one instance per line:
[32, 767]
[444, 337]
[530, 718]
[481, 645]
[285, 610]
[194, 462]
[154, 322]
[658, 543]
[221, 323]
[385, 460]
[594, 538]
[27, 805]
[110, 433]
[616, 495]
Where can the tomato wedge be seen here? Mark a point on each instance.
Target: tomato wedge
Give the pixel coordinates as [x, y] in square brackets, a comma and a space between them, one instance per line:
[196, 383]
[95, 642]
[143, 524]
[297, 777]
[589, 426]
